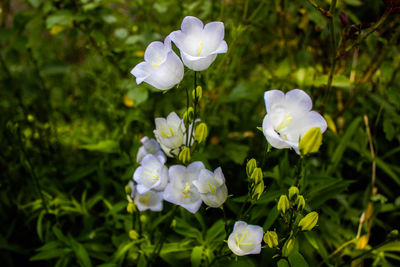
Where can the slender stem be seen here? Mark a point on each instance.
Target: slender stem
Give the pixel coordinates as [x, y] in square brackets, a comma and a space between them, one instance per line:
[346, 263]
[320, 9]
[195, 102]
[187, 109]
[333, 52]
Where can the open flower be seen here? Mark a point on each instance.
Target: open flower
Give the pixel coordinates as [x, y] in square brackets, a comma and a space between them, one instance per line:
[150, 200]
[289, 117]
[180, 190]
[161, 68]
[170, 133]
[212, 188]
[199, 45]
[150, 146]
[151, 175]
[245, 239]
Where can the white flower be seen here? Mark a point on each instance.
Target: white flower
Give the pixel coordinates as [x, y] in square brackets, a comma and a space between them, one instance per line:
[180, 189]
[171, 134]
[289, 117]
[245, 239]
[199, 45]
[151, 200]
[150, 146]
[151, 175]
[161, 68]
[212, 188]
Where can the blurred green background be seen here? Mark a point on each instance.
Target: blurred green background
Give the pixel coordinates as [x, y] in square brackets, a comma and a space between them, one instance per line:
[72, 117]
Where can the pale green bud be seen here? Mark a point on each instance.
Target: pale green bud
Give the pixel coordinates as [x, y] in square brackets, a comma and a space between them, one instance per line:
[293, 192]
[184, 155]
[271, 239]
[131, 208]
[143, 218]
[251, 165]
[133, 234]
[300, 202]
[309, 221]
[311, 141]
[256, 176]
[201, 132]
[283, 204]
[288, 247]
[128, 190]
[197, 93]
[188, 116]
[257, 191]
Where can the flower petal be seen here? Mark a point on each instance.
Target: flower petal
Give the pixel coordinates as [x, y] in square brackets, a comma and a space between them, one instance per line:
[272, 97]
[197, 63]
[155, 52]
[191, 24]
[213, 34]
[299, 99]
[176, 172]
[222, 48]
[141, 71]
[272, 137]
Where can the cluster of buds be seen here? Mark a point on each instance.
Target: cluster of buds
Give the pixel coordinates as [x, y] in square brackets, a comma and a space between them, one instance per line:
[256, 181]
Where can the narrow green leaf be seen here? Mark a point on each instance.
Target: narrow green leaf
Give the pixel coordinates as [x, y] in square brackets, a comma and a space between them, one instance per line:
[196, 256]
[296, 259]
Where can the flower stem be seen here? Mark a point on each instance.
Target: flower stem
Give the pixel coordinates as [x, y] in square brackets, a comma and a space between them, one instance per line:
[195, 102]
[333, 52]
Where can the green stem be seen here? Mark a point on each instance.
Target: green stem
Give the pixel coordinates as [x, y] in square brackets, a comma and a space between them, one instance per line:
[333, 52]
[320, 9]
[346, 263]
[195, 102]
[187, 109]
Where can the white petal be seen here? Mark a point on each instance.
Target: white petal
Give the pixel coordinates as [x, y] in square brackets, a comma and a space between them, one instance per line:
[141, 71]
[197, 63]
[213, 34]
[173, 120]
[191, 25]
[177, 172]
[222, 48]
[194, 168]
[219, 175]
[141, 153]
[272, 97]
[193, 207]
[272, 137]
[155, 52]
[298, 98]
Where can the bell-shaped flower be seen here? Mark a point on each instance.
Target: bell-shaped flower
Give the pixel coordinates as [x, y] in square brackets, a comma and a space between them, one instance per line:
[152, 174]
[171, 134]
[289, 117]
[199, 44]
[161, 67]
[212, 188]
[150, 200]
[245, 239]
[180, 190]
[150, 146]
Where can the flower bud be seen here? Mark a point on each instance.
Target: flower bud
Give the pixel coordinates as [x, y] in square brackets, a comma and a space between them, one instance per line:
[311, 141]
[257, 191]
[184, 155]
[201, 132]
[283, 204]
[143, 218]
[251, 165]
[271, 239]
[293, 192]
[309, 221]
[256, 176]
[300, 202]
[197, 93]
[128, 190]
[188, 116]
[288, 247]
[131, 208]
[133, 234]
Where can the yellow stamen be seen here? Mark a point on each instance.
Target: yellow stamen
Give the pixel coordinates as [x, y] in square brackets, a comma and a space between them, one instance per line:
[155, 65]
[285, 122]
[167, 135]
[239, 242]
[145, 199]
[200, 47]
[212, 188]
[153, 175]
[185, 191]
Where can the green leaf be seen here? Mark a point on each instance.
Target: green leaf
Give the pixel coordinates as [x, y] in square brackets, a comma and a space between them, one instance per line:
[80, 253]
[48, 254]
[216, 232]
[392, 246]
[106, 146]
[236, 152]
[272, 216]
[39, 225]
[296, 259]
[196, 256]
[139, 94]
[61, 17]
[283, 263]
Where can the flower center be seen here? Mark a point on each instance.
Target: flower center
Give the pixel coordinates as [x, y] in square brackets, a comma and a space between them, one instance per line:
[153, 175]
[185, 191]
[145, 199]
[213, 189]
[166, 134]
[156, 64]
[200, 47]
[239, 242]
[285, 122]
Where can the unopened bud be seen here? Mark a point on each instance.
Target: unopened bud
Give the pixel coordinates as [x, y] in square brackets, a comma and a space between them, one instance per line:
[143, 218]
[300, 202]
[201, 132]
[197, 93]
[293, 192]
[133, 234]
[394, 234]
[309, 221]
[283, 204]
[184, 155]
[128, 190]
[251, 165]
[256, 176]
[188, 116]
[257, 191]
[311, 141]
[288, 247]
[131, 208]
[271, 239]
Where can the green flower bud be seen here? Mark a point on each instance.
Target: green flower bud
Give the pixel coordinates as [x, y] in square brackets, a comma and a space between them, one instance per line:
[300, 202]
[251, 165]
[143, 218]
[128, 190]
[133, 234]
[283, 204]
[311, 141]
[309, 221]
[201, 132]
[184, 155]
[188, 116]
[271, 239]
[256, 176]
[257, 191]
[197, 93]
[131, 208]
[288, 247]
[293, 192]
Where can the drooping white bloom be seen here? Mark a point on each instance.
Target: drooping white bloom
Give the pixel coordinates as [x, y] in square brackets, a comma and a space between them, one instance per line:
[150, 200]
[212, 188]
[289, 117]
[171, 134]
[245, 239]
[161, 67]
[180, 190]
[199, 45]
[152, 174]
[150, 146]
